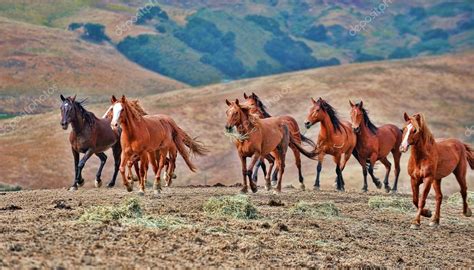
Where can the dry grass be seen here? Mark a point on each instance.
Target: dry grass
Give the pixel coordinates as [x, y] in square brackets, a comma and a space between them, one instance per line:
[456, 198]
[238, 206]
[400, 204]
[324, 209]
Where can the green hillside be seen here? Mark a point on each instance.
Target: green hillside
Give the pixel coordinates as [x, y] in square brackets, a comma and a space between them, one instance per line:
[207, 41]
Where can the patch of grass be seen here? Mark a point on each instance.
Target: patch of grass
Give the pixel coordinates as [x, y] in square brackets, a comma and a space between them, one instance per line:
[456, 198]
[5, 187]
[130, 213]
[237, 206]
[325, 209]
[391, 203]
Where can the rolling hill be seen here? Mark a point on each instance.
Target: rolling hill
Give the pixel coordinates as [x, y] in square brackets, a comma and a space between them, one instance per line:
[36, 58]
[37, 153]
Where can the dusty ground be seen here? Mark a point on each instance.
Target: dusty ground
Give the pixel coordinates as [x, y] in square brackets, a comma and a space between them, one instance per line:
[40, 235]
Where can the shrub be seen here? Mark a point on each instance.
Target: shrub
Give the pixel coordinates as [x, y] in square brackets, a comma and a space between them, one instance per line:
[95, 32]
[5, 187]
[391, 203]
[365, 57]
[435, 34]
[145, 15]
[324, 209]
[316, 33]
[266, 23]
[237, 206]
[73, 26]
[400, 53]
[293, 55]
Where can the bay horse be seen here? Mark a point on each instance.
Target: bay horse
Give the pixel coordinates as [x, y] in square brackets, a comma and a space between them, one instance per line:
[134, 161]
[258, 108]
[430, 161]
[257, 138]
[335, 138]
[151, 135]
[375, 143]
[91, 136]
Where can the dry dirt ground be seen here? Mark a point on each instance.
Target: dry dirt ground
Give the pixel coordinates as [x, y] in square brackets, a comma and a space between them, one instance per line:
[46, 233]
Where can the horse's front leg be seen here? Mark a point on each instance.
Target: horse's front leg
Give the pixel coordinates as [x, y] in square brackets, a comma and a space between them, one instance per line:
[363, 164]
[439, 198]
[319, 167]
[372, 160]
[75, 154]
[103, 159]
[253, 185]
[125, 156]
[339, 180]
[427, 181]
[117, 151]
[161, 163]
[243, 161]
[79, 180]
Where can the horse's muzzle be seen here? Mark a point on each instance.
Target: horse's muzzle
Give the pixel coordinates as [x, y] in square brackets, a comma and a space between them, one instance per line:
[308, 125]
[404, 148]
[228, 128]
[64, 125]
[356, 129]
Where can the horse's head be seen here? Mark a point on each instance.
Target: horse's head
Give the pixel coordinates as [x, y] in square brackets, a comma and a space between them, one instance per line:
[357, 115]
[117, 110]
[411, 130]
[316, 113]
[234, 113]
[255, 104]
[68, 111]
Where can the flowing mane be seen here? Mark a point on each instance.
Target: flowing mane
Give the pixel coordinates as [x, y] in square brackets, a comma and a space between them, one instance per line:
[134, 109]
[332, 114]
[368, 123]
[136, 105]
[260, 106]
[88, 117]
[421, 126]
[253, 119]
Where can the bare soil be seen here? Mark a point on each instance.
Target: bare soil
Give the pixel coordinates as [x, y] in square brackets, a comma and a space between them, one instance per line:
[41, 228]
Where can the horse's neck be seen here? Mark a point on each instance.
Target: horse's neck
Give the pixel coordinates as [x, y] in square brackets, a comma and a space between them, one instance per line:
[131, 126]
[365, 132]
[246, 125]
[78, 125]
[327, 129]
[422, 150]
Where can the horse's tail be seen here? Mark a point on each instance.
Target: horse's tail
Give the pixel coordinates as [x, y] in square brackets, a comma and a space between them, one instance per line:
[182, 141]
[470, 155]
[312, 155]
[307, 140]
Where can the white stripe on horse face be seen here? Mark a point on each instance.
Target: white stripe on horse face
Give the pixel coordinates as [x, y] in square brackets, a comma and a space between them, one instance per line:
[407, 134]
[117, 110]
[107, 112]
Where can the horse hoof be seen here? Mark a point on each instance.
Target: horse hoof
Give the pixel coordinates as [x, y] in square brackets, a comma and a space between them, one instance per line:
[316, 188]
[268, 187]
[274, 183]
[387, 189]
[244, 190]
[98, 184]
[394, 191]
[468, 213]
[434, 224]
[415, 226]
[174, 176]
[110, 185]
[365, 190]
[129, 188]
[73, 188]
[254, 188]
[302, 187]
[378, 184]
[141, 193]
[81, 183]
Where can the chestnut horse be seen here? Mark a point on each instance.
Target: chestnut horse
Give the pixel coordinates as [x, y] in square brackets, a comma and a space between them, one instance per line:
[152, 135]
[257, 138]
[375, 143]
[430, 161]
[90, 135]
[170, 163]
[335, 138]
[258, 108]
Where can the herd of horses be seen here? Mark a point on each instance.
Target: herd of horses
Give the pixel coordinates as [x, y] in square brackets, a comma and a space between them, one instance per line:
[138, 139]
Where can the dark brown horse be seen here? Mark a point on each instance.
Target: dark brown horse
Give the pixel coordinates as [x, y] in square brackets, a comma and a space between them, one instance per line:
[258, 108]
[90, 135]
[375, 143]
[152, 135]
[257, 138]
[430, 161]
[335, 138]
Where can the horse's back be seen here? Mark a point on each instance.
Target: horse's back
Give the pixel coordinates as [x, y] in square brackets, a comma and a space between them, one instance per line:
[390, 137]
[451, 152]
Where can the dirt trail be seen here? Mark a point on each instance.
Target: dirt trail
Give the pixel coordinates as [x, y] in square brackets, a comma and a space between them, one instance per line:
[46, 232]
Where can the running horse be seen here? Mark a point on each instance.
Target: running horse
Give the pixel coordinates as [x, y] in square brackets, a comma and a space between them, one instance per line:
[375, 143]
[257, 138]
[91, 136]
[258, 108]
[150, 135]
[430, 161]
[335, 138]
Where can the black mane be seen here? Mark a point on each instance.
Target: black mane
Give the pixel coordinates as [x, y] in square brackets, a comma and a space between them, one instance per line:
[332, 114]
[261, 106]
[88, 117]
[368, 123]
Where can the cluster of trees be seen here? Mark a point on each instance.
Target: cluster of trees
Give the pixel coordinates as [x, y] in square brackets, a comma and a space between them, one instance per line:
[148, 13]
[92, 31]
[266, 23]
[218, 48]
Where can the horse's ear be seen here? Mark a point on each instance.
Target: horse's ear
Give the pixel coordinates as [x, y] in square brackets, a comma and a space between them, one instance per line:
[73, 98]
[245, 96]
[237, 101]
[314, 101]
[352, 104]
[361, 103]
[406, 117]
[227, 102]
[62, 97]
[254, 95]
[123, 98]
[113, 99]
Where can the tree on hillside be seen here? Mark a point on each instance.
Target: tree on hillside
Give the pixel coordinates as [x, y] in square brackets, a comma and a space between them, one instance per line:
[95, 32]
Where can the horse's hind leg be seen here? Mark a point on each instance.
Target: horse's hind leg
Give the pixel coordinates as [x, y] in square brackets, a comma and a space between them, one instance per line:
[439, 199]
[388, 167]
[372, 161]
[319, 167]
[103, 159]
[268, 184]
[259, 164]
[396, 158]
[298, 166]
[117, 151]
[460, 173]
